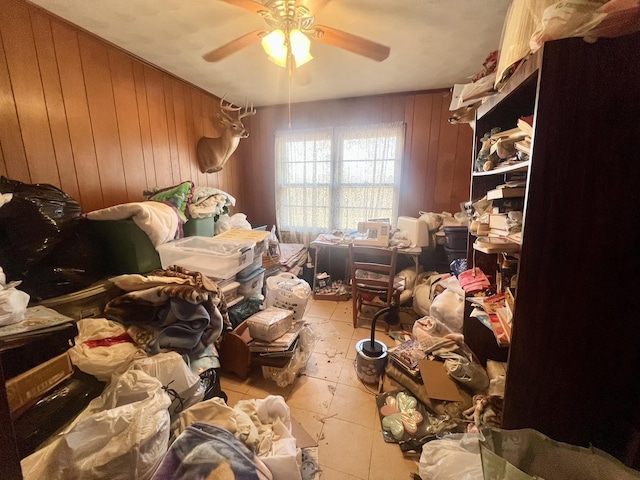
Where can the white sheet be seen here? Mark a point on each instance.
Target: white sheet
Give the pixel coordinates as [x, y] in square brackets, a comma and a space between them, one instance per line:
[158, 220]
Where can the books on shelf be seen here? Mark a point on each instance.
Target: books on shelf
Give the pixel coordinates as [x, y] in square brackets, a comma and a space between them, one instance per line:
[506, 192]
[496, 244]
[525, 124]
[523, 145]
[499, 221]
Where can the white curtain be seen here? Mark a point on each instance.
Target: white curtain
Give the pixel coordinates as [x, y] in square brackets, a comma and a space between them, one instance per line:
[331, 179]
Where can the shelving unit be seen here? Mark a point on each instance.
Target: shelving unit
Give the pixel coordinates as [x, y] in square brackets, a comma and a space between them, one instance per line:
[574, 358]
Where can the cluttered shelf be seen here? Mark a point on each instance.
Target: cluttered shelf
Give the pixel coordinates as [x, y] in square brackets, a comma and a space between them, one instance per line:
[513, 167]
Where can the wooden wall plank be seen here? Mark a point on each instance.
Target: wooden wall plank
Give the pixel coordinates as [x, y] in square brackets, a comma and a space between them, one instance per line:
[102, 111]
[11, 145]
[3, 165]
[124, 94]
[171, 129]
[191, 135]
[77, 111]
[145, 125]
[182, 142]
[446, 161]
[158, 122]
[198, 131]
[22, 61]
[55, 103]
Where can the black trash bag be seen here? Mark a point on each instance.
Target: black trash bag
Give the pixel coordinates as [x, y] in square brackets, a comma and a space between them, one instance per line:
[74, 264]
[45, 242]
[34, 221]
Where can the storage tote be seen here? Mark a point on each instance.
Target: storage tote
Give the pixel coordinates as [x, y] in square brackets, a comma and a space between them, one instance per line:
[217, 258]
[251, 286]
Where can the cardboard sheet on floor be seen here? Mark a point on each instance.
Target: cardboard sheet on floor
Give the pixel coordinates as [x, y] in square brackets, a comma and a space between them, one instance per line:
[437, 382]
[303, 439]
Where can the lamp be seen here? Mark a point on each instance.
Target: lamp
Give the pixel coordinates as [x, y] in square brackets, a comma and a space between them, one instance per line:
[372, 348]
[371, 355]
[278, 44]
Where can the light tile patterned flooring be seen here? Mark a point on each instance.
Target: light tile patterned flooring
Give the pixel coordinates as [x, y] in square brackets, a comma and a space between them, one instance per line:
[331, 403]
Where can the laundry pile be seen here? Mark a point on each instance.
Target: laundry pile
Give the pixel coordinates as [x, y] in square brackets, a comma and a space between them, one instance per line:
[162, 413]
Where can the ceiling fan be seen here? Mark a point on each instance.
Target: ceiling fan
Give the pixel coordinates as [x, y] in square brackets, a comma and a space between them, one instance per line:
[291, 27]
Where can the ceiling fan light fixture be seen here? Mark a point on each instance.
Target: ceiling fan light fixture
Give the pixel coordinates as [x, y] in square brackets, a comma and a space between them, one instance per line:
[274, 45]
[300, 47]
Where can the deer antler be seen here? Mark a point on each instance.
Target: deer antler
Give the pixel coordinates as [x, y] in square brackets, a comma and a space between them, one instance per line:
[247, 111]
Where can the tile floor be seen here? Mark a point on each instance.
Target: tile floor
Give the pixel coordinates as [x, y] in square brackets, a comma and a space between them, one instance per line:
[331, 403]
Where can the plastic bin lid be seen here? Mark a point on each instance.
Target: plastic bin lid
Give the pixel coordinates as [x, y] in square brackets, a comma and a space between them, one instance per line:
[252, 275]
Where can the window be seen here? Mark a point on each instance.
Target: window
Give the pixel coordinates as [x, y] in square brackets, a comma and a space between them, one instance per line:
[331, 179]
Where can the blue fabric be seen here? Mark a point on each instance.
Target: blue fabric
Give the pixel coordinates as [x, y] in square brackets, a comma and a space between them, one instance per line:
[203, 451]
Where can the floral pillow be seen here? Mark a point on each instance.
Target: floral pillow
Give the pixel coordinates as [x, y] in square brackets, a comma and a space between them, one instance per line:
[178, 195]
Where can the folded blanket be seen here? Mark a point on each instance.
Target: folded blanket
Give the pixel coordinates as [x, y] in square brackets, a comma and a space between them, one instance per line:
[187, 309]
[209, 202]
[159, 221]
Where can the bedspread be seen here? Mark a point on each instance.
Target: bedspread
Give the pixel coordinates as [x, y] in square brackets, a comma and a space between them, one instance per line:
[158, 220]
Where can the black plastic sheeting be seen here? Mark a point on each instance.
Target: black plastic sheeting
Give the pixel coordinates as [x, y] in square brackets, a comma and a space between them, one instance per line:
[45, 241]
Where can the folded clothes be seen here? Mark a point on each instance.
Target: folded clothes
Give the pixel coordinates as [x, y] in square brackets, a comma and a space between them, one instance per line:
[187, 309]
[183, 324]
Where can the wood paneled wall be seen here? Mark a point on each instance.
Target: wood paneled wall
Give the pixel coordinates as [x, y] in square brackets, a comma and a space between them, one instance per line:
[437, 164]
[81, 114]
[103, 126]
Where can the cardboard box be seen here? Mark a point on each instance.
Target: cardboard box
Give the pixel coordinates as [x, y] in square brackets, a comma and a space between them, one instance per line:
[25, 389]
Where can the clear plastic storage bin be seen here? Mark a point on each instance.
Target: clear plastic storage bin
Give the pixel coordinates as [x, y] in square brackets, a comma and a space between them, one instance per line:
[251, 286]
[212, 257]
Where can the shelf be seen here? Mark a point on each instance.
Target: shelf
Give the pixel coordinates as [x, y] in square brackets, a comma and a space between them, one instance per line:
[524, 71]
[508, 169]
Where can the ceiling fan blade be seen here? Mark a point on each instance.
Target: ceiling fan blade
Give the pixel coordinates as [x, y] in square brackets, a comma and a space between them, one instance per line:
[249, 5]
[348, 41]
[233, 46]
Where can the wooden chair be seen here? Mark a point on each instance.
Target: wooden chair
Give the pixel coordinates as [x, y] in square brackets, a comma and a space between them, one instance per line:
[373, 278]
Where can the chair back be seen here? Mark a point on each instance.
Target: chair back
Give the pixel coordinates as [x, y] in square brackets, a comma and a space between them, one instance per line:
[373, 270]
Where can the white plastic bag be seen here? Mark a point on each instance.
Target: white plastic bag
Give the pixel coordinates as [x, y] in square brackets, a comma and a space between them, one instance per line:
[448, 307]
[170, 369]
[122, 435]
[101, 349]
[455, 457]
[13, 302]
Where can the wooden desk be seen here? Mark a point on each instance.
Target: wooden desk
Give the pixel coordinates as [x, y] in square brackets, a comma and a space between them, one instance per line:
[414, 253]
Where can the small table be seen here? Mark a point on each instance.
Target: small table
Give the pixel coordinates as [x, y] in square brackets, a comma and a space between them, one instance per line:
[321, 242]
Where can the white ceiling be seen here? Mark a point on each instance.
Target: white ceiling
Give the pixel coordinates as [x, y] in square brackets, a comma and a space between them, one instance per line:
[434, 44]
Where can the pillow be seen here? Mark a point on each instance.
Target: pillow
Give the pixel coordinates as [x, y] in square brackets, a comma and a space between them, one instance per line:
[178, 195]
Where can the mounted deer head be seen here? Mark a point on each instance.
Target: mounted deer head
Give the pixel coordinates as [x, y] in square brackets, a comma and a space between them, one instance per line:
[213, 153]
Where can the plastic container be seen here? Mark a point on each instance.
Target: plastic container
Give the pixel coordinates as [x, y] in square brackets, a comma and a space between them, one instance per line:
[212, 257]
[129, 248]
[85, 303]
[199, 227]
[454, 254]
[455, 238]
[251, 286]
[269, 324]
[287, 291]
[230, 291]
[368, 368]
